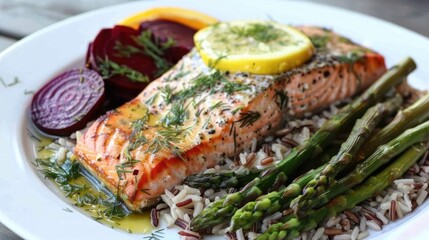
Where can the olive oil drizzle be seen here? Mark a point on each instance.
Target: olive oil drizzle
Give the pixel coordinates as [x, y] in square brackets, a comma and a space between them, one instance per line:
[84, 191]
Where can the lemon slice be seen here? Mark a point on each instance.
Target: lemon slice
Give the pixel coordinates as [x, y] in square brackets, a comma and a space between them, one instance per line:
[258, 47]
[190, 18]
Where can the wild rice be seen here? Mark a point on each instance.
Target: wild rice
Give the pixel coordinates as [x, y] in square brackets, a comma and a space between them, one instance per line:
[373, 225]
[154, 217]
[318, 233]
[181, 223]
[342, 237]
[392, 212]
[183, 203]
[267, 161]
[355, 233]
[333, 231]
[188, 233]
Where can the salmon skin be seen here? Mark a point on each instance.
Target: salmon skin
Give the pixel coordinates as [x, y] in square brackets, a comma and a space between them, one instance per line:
[193, 116]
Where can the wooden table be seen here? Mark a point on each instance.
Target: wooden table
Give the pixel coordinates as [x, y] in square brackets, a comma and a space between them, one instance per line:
[19, 18]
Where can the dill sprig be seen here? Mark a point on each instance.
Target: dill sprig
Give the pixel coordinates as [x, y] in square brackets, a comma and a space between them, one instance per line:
[61, 174]
[167, 93]
[113, 208]
[248, 118]
[157, 235]
[136, 139]
[166, 138]
[281, 99]
[152, 99]
[214, 81]
[125, 50]
[258, 31]
[219, 104]
[234, 111]
[351, 57]
[319, 41]
[33, 136]
[6, 85]
[151, 48]
[109, 68]
[177, 114]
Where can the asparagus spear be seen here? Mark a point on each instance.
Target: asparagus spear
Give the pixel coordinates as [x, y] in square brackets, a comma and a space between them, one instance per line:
[407, 118]
[274, 201]
[220, 180]
[360, 132]
[231, 179]
[221, 210]
[292, 227]
[381, 156]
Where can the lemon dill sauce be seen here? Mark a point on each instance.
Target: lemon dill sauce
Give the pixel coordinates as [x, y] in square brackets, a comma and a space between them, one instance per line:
[83, 191]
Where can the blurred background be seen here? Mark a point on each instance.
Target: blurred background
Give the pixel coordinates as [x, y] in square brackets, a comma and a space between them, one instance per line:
[19, 18]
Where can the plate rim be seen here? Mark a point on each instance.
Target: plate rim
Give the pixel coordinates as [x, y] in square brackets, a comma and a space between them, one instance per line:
[20, 230]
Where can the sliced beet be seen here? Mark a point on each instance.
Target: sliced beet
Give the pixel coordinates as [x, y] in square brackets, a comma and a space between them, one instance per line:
[104, 48]
[68, 102]
[182, 35]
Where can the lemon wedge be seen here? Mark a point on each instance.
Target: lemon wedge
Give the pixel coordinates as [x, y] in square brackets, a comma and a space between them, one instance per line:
[190, 18]
[258, 47]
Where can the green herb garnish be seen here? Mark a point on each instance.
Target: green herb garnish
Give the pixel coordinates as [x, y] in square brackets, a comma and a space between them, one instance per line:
[281, 99]
[109, 68]
[151, 49]
[258, 31]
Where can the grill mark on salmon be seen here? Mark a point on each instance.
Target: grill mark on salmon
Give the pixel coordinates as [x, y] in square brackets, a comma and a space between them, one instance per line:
[216, 124]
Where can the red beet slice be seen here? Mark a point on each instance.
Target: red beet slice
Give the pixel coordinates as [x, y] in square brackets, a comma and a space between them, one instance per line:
[105, 47]
[68, 102]
[181, 34]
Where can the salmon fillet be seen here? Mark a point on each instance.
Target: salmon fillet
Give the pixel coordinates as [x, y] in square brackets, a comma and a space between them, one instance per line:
[193, 116]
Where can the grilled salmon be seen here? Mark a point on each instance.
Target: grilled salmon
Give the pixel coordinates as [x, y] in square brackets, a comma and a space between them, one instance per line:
[193, 116]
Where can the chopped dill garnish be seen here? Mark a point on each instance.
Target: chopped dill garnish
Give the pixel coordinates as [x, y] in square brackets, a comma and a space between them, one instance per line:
[109, 68]
[215, 81]
[152, 99]
[206, 123]
[248, 118]
[136, 139]
[219, 104]
[157, 235]
[167, 93]
[33, 136]
[151, 49]
[61, 174]
[177, 115]
[145, 191]
[28, 92]
[216, 61]
[6, 85]
[237, 110]
[319, 41]
[258, 31]
[125, 50]
[351, 57]
[231, 87]
[86, 199]
[68, 210]
[281, 99]
[114, 209]
[166, 138]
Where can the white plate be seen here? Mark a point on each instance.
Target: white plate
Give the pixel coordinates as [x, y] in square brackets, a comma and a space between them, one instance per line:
[33, 208]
